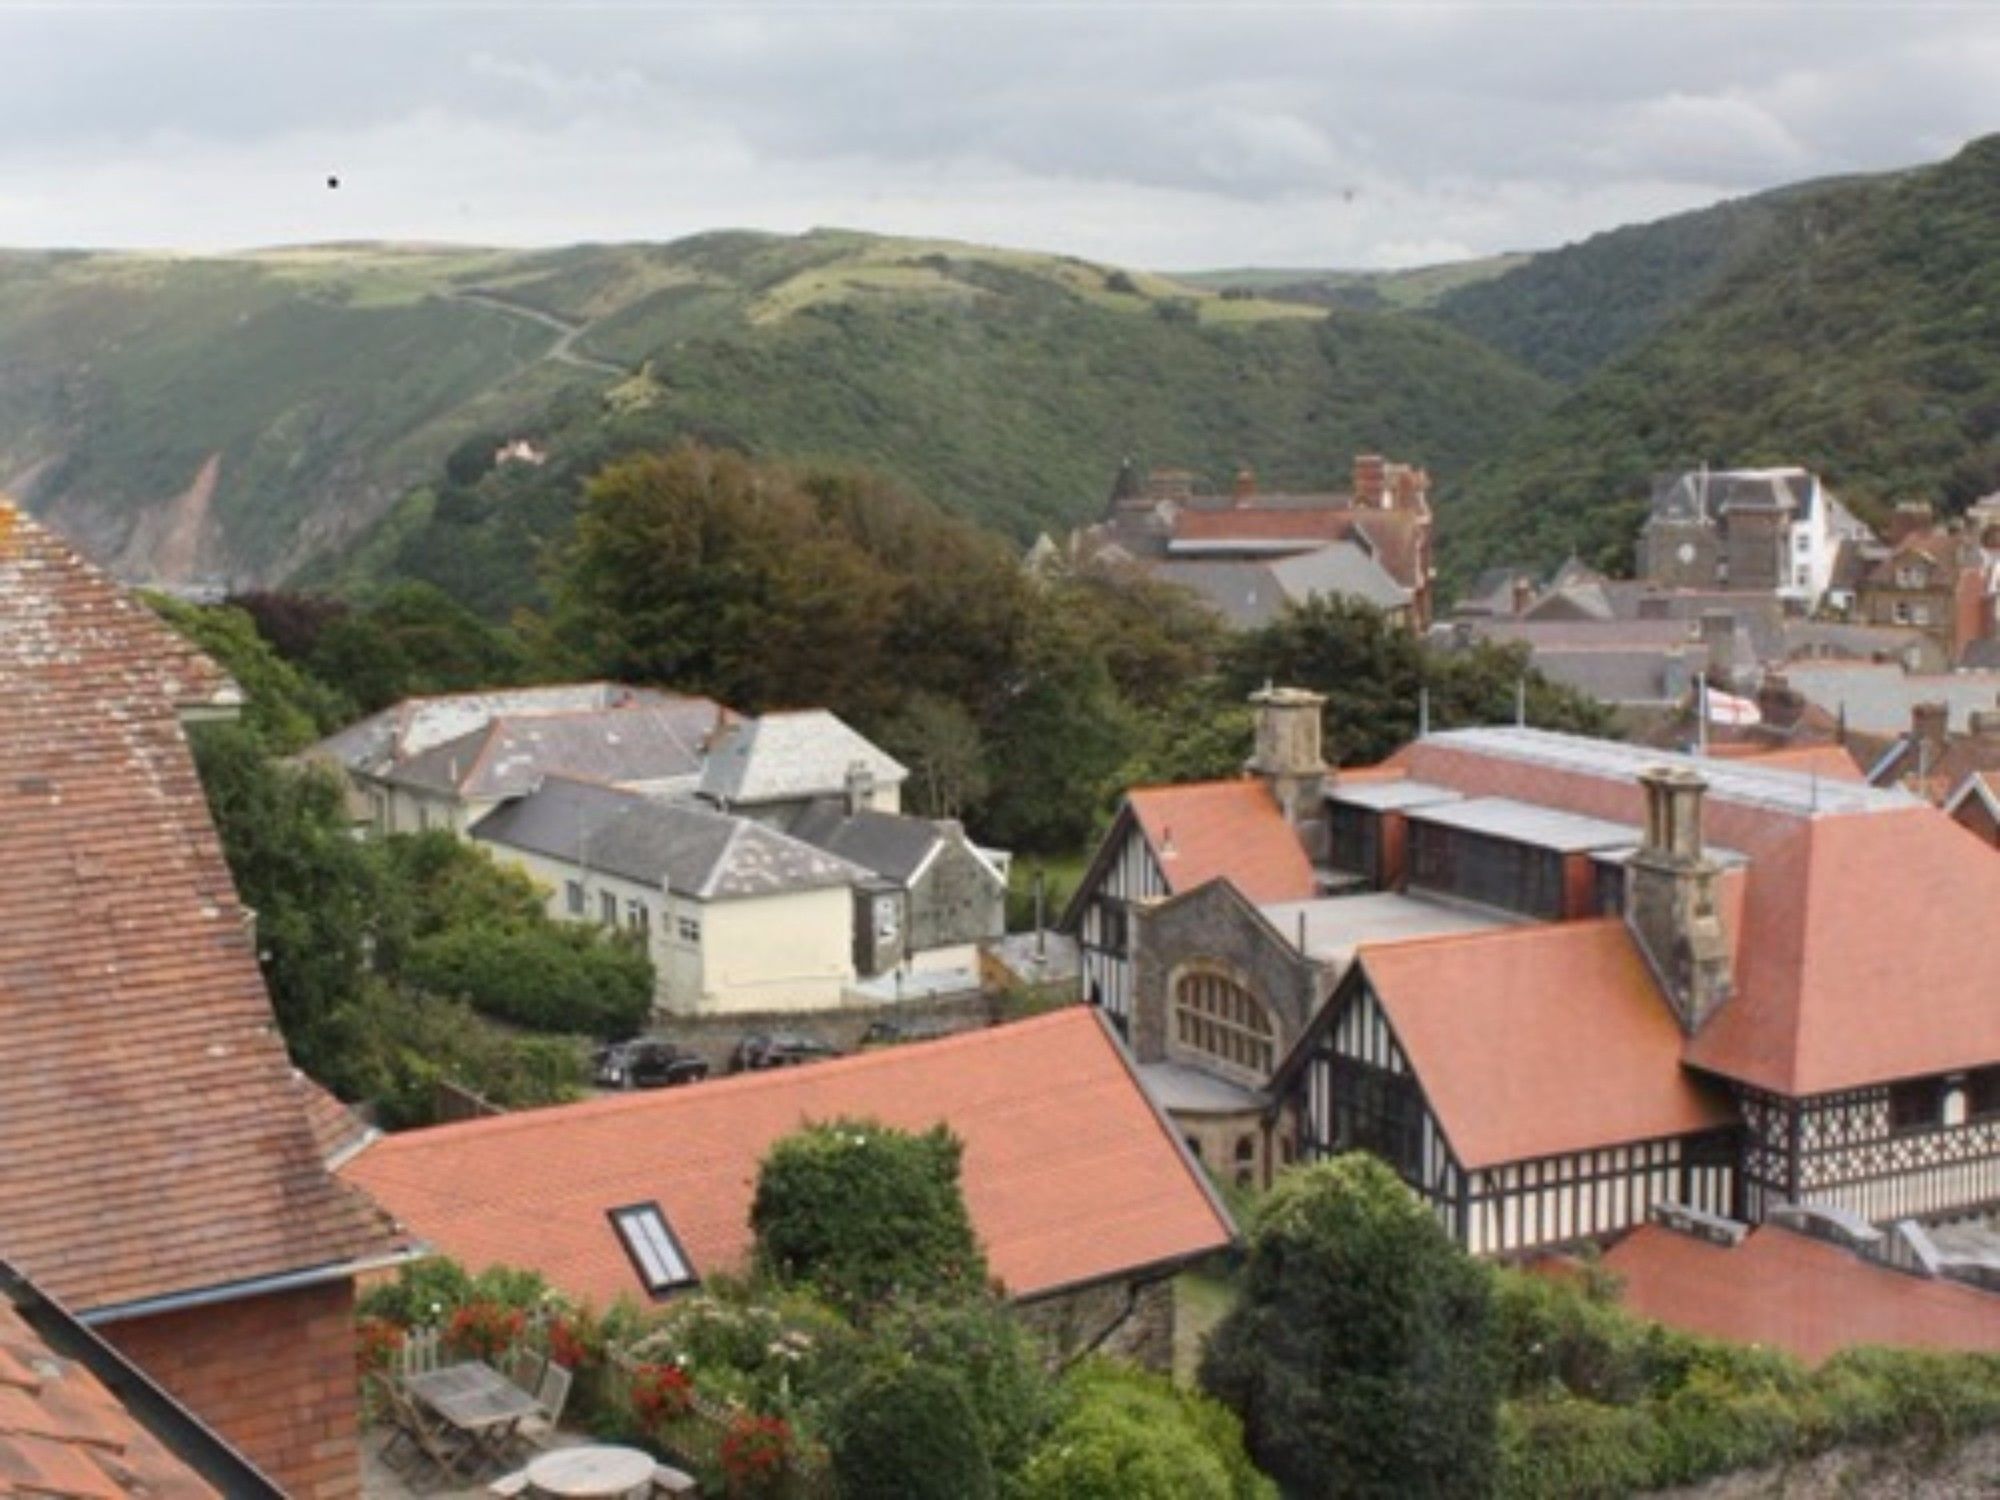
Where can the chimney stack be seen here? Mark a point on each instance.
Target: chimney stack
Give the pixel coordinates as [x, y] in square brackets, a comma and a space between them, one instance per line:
[1289, 757]
[1929, 723]
[1986, 726]
[860, 788]
[1245, 486]
[1911, 518]
[1523, 593]
[1671, 898]
[1371, 479]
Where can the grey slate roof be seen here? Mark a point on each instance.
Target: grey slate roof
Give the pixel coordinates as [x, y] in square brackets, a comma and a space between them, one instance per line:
[1878, 698]
[786, 756]
[509, 755]
[685, 848]
[415, 725]
[891, 845]
[1253, 594]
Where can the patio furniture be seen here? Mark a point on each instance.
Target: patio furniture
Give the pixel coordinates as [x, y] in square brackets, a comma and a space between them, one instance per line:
[551, 1396]
[667, 1480]
[410, 1424]
[582, 1473]
[478, 1403]
[524, 1366]
[420, 1351]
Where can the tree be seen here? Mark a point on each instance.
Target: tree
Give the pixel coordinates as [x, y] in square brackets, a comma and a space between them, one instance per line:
[909, 1432]
[414, 639]
[1134, 1436]
[865, 1214]
[940, 743]
[1361, 1355]
[286, 709]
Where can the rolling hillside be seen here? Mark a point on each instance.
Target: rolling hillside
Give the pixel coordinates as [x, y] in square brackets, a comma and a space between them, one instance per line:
[1860, 336]
[252, 415]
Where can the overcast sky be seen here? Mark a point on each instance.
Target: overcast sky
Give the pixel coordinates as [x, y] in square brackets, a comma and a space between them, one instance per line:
[1173, 136]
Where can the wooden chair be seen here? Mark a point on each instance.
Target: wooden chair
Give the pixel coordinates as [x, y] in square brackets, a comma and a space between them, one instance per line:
[422, 1351]
[551, 1396]
[525, 1367]
[429, 1435]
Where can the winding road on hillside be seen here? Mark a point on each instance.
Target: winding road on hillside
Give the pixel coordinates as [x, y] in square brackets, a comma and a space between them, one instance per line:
[564, 348]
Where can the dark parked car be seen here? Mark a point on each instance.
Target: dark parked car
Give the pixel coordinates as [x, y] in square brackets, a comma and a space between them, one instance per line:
[888, 1033]
[778, 1049]
[647, 1062]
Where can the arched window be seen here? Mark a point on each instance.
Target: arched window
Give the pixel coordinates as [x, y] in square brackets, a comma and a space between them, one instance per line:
[1216, 1015]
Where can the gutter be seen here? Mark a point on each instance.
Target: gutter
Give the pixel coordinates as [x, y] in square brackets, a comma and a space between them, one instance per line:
[241, 1291]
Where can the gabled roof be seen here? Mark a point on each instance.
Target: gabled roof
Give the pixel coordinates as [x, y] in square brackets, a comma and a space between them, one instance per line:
[1231, 829]
[1539, 1040]
[682, 847]
[892, 845]
[1070, 1173]
[416, 725]
[658, 742]
[151, 1138]
[1788, 1291]
[783, 756]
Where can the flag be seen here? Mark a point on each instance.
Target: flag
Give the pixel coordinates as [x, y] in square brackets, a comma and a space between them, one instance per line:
[1727, 708]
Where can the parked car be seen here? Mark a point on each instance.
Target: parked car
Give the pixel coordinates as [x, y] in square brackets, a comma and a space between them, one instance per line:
[647, 1062]
[892, 1033]
[778, 1049]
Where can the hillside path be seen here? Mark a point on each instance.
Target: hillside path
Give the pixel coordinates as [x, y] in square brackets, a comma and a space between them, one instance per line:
[564, 348]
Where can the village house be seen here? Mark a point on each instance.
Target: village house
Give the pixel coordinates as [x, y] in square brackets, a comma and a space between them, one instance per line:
[1771, 530]
[162, 1178]
[737, 917]
[1605, 980]
[1931, 578]
[1250, 554]
[776, 766]
[1079, 1190]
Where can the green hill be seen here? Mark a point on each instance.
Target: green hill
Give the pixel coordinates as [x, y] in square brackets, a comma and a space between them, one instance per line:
[251, 415]
[1005, 385]
[1414, 289]
[1860, 336]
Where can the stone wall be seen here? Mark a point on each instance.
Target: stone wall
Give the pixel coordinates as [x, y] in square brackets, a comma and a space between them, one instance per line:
[957, 901]
[1217, 928]
[1132, 1321]
[275, 1375]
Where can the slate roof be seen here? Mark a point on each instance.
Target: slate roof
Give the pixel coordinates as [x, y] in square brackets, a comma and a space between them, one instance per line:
[890, 844]
[1537, 1041]
[1878, 698]
[1231, 829]
[780, 757]
[1789, 1291]
[660, 742]
[1252, 593]
[1070, 1173]
[682, 847]
[151, 1138]
[415, 725]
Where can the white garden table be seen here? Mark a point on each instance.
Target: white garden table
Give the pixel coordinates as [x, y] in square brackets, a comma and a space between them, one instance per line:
[579, 1473]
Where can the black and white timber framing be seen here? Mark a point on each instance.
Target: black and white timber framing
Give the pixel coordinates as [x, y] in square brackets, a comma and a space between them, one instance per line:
[1353, 1088]
[1124, 872]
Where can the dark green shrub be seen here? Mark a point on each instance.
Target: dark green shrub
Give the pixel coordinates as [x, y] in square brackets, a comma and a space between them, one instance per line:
[1129, 1435]
[550, 976]
[865, 1214]
[1360, 1357]
[909, 1432]
[984, 1346]
[1580, 1449]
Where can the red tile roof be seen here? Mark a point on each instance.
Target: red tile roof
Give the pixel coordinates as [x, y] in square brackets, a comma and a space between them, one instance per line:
[1330, 524]
[151, 1138]
[1070, 1174]
[1232, 829]
[1789, 1291]
[1539, 1040]
[1831, 762]
[63, 1434]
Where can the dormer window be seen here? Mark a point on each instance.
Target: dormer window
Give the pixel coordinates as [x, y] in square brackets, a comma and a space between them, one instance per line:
[656, 1253]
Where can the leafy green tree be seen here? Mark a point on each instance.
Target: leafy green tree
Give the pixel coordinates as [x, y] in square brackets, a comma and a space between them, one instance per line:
[285, 708]
[1361, 1356]
[982, 1344]
[909, 1432]
[1134, 1436]
[940, 743]
[414, 640]
[865, 1214]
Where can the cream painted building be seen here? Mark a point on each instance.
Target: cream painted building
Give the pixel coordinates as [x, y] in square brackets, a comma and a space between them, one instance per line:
[738, 918]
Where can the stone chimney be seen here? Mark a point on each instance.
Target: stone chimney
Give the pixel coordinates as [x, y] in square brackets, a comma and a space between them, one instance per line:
[1523, 593]
[1244, 487]
[860, 788]
[1371, 482]
[1929, 723]
[1718, 638]
[1288, 755]
[1670, 902]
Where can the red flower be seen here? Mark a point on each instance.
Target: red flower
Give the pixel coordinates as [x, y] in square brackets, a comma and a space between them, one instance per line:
[376, 1341]
[569, 1343]
[755, 1451]
[484, 1330]
[661, 1393]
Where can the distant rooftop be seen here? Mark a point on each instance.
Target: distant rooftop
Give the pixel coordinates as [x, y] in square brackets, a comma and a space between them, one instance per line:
[783, 756]
[1528, 823]
[1390, 796]
[1336, 926]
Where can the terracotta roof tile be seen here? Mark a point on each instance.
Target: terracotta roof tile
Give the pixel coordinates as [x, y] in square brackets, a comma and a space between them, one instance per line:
[1070, 1174]
[1248, 523]
[1791, 1292]
[151, 1139]
[1496, 1025]
[1231, 829]
[63, 1434]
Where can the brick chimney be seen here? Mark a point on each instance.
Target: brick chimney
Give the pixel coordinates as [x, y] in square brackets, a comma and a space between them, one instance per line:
[1245, 486]
[1911, 518]
[1371, 481]
[1985, 725]
[1670, 903]
[1929, 723]
[1289, 757]
[1523, 593]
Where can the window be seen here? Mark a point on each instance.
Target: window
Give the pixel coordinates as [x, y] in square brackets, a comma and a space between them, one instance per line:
[1982, 1093]
[1901, 611]
[1493, 872]
[607, 908]
[1217, 1016]
[573, 895]
[1114, 924]
[888, 921]
[1910, 578]
[688, 930]
[637, 917]
[1916, 1105]
[1356, 835]
[656, 1254]
[1920, 614]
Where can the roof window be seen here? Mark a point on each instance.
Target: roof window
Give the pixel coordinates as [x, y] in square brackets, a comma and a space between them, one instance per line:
[656, 1254]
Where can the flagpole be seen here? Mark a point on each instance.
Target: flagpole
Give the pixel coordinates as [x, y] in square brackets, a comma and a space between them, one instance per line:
[1701, 714]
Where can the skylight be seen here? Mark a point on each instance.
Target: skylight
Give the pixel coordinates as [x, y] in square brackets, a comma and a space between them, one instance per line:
[656, 1254]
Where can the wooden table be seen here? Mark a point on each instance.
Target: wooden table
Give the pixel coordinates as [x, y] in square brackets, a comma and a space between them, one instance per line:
[576, 1473]
[477, 1400]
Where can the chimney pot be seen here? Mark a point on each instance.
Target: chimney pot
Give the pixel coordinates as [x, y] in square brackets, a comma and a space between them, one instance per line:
[1930, 722]
[1245, 487]
[1370, 481]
